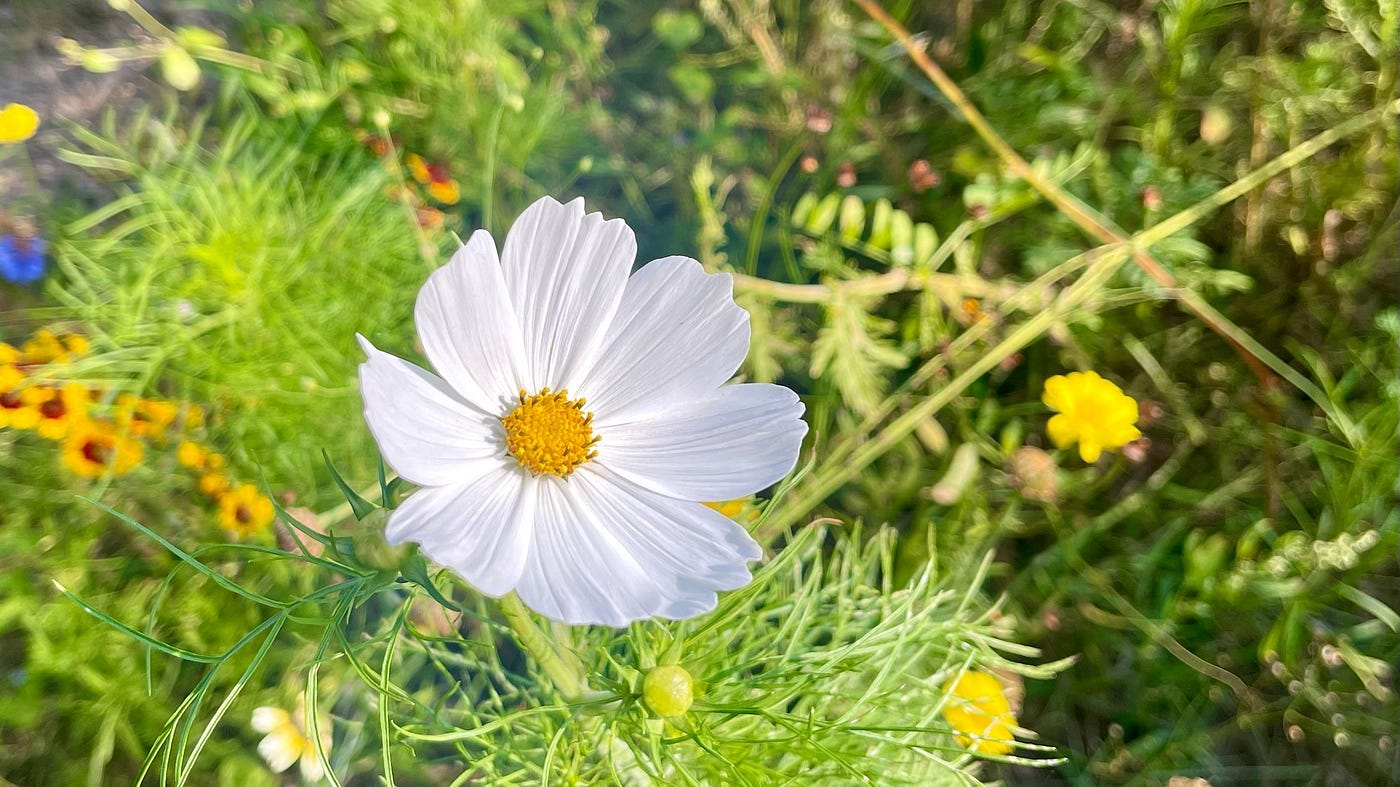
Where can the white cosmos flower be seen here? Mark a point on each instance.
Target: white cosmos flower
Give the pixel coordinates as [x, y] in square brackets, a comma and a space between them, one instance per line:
[581, 417]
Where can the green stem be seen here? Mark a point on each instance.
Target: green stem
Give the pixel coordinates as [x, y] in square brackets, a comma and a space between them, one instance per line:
[568, 681]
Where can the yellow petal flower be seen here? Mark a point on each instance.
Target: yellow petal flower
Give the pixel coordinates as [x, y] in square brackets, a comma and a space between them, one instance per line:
[59, 409]
[445, 191]
[146, 417]
[92, 448]
[191, 455]
[729, 508]
[978, 711]
[245, 511]
[77, 344]
[17, 123]
[43, 347]
[1093, 412]
[10, 377]
[213, 484]
[16, 412]
[417, 167]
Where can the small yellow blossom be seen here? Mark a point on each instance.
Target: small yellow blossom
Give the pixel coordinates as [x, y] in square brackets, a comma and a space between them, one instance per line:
[93, 447]
[244, 511]
[730, 508]
[16, 413]
[445, 191]
[978, 711]
[191, 455]
[11, 375]
[18, 122]
[59, 408]
[1092, 412]
[76, 343]
[43, 347]
[288, 740]
[146, 417]
[213, 484]
[417, 167]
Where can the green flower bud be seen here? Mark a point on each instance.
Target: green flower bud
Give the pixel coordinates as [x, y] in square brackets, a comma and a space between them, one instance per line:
[98, 62]
[668, 690]
[179, 68]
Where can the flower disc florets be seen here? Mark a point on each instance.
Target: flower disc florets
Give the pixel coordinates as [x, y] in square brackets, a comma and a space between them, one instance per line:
[549, 433]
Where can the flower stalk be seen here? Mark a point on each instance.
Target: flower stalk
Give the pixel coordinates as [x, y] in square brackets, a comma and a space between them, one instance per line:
[566, 679]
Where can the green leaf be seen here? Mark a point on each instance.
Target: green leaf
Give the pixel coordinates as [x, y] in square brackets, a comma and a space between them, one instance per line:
[360, 506]
[694, 82]
[415, 570]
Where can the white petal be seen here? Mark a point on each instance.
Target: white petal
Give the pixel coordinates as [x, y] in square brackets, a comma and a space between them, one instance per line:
[267, 719]
[425, 431]
[469, 328]
[577, 572]
[608, 551]
[732, 443]
[565, 273]
[281, 748]
[481, 529]
[677, 333]
[311, 768]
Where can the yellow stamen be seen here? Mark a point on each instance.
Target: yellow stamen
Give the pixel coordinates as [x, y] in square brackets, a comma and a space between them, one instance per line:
[549, 433]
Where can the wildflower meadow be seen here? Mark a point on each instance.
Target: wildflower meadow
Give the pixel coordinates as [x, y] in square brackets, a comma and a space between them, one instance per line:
[732, 392]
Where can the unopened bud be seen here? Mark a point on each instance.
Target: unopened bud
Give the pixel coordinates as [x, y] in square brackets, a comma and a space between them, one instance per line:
[668, 690]
[179, 68]
[1034, 474]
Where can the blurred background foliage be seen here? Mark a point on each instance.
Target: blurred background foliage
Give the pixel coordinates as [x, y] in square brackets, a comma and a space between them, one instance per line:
[1228, 585]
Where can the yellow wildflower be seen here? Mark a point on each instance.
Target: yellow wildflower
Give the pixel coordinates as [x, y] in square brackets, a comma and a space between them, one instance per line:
[978, 711]
[76, 343]
[93, 447]
[245, 511]
[213, 484]
[146, 417]
[1092, 412]
[16, 413]
[288, 740]
[418, 167]
[18, 122]
[59, 409]
[11, 375]
[445, 191]
[441, 186]
[731, 508]
[191, 455]
[43, 347]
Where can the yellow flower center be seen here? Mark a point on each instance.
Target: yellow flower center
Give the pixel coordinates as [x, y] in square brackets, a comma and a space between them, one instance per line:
[549, 433]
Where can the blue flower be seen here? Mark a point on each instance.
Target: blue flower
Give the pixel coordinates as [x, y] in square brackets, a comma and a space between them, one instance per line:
[21, 261]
